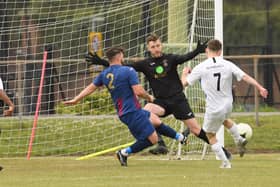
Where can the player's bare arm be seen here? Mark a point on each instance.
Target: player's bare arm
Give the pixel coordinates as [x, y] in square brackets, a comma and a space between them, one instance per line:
[7, 100]
[140, 92]
[247, 78]
[185, 73]
[88, 90]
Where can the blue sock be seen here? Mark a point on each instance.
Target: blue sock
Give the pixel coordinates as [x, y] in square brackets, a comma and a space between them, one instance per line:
[166, 131]
[139, 145]
[177, 136]
[128, 150]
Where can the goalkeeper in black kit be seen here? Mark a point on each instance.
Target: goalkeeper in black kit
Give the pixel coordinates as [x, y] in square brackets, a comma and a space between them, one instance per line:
[161, 72]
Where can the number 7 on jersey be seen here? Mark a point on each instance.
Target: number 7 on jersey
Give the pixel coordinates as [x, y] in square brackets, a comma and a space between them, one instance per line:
[218, 80]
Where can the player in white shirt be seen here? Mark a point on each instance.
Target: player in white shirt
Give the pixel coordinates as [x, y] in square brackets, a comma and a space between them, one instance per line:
[215, 75]
[6, 99]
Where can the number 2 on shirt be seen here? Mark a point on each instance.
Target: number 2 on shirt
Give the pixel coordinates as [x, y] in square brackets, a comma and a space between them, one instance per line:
[110, 76]
[218, 80]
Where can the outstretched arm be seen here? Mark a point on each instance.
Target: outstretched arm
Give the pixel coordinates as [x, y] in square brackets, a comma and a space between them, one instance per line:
[252, 81]
[7, 100]
[96, 60]
[88, 90]
[200, 48]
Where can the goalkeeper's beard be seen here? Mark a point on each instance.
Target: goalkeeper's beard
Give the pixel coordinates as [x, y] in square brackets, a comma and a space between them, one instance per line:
[157, 54]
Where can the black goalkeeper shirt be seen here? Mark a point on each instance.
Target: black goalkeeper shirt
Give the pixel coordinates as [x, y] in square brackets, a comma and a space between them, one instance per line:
[162, 73]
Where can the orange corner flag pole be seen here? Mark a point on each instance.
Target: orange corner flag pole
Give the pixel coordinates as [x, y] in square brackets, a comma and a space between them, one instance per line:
[37, 105]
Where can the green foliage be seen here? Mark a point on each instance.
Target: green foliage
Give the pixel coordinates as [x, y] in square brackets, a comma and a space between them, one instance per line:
[245, 23]
[97, 103]
[251, 33]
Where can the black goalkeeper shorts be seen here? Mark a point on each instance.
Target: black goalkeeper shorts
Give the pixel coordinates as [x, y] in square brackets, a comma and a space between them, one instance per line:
[177, 105]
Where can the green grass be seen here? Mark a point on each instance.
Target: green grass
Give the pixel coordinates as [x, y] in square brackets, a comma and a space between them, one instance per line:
[265, 136]
[64, 136]
[254, 170]
[78, 135]
[237, 107]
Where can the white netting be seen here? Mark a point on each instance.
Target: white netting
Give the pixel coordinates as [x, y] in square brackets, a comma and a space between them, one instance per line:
[68, 29]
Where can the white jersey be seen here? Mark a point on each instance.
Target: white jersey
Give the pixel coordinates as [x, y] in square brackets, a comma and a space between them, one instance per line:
[1, 84]
[216, 75]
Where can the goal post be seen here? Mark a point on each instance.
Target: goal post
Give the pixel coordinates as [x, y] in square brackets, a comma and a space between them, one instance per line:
[69, 27]
[219, 35]
[206, 23]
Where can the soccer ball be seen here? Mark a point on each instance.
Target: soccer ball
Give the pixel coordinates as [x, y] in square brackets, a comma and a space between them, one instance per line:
[245, 130]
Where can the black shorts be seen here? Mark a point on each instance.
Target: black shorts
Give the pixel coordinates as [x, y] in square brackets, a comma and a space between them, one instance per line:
[177, 105]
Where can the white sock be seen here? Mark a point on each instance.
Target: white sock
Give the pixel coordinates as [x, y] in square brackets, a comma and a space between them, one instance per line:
[123, 152]
[217, 149]
[179, 137]
[234, 133]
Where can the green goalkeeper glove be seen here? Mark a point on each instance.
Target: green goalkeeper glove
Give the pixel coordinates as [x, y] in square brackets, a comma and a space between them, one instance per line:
[96, 60]
[200, 47]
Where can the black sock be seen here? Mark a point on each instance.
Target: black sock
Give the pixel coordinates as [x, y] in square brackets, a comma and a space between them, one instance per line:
[202, 135]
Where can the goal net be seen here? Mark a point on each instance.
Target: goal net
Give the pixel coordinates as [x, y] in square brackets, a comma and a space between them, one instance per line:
[67, 30]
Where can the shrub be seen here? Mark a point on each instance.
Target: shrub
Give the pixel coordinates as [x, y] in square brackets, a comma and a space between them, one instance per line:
[98, 103]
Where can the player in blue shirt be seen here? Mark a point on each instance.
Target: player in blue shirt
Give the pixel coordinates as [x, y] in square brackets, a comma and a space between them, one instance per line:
[123, 85]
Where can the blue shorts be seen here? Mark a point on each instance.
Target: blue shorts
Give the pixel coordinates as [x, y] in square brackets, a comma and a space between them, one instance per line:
[138, 124]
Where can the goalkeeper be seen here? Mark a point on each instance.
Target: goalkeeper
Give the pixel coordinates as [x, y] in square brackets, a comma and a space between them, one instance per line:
[6, 99]
[123, 84]
[161, 71]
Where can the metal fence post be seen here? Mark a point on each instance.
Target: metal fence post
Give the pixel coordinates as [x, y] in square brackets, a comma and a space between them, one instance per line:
[256, 60]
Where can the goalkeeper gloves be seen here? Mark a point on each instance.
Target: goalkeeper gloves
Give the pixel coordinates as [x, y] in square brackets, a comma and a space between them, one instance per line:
[200, 48]
[96, 60]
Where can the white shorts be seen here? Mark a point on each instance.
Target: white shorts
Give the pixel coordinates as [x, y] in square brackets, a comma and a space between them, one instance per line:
[213, 121]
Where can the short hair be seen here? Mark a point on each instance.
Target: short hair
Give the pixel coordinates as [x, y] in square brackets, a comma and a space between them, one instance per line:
[113, 51]
[214, 45]
[152, 37]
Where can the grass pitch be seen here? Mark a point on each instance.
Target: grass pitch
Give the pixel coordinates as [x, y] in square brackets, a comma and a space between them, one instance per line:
[256, 170]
